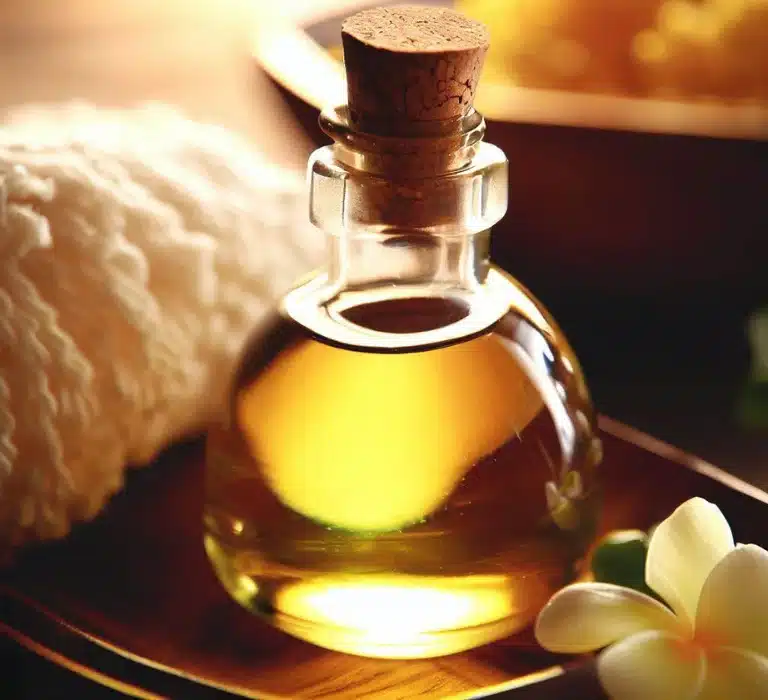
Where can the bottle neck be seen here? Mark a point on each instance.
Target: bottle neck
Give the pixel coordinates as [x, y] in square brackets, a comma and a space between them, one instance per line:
[442, 262]
[407, 212]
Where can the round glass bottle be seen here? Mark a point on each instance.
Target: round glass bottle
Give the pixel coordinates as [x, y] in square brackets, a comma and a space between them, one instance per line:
[407, 464]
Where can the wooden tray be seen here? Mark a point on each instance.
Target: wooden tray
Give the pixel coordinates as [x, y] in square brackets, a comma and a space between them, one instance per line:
[130, 602]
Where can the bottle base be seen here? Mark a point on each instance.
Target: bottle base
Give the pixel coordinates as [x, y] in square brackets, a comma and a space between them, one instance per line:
[421, 645]
[382, 615]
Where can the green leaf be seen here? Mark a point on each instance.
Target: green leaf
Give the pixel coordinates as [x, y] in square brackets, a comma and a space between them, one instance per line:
[619, 558]
[752, 408]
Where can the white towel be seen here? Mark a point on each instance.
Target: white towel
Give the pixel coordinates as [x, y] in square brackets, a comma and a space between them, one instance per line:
[137, 251]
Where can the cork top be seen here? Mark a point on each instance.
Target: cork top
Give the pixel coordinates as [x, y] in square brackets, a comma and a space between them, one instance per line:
[409, 65]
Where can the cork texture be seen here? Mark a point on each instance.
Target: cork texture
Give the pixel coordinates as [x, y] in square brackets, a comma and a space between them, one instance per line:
[408, 65]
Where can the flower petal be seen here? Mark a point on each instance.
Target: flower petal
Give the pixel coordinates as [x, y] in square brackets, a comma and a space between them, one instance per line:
[683, 550]
[652, 665]
[588, 616]
[734, 673]
[733, 610]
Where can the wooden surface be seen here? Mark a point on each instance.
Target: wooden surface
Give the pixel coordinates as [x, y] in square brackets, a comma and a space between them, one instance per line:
[138, 580]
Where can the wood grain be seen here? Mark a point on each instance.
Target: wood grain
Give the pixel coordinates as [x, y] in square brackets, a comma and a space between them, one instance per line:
[137, 579]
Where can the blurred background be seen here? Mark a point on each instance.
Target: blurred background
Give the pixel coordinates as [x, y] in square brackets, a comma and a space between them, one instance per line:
[636, 133]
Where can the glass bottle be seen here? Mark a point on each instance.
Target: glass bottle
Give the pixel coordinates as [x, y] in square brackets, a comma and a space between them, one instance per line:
[407, 464]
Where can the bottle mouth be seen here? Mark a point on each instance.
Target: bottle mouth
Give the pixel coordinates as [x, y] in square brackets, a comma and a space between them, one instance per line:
[429, 149]
[417, 314]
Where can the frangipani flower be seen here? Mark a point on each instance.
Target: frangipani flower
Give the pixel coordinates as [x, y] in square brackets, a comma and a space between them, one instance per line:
[711, 643]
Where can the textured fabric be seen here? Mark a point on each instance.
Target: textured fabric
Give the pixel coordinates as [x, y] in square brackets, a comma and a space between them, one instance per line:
[137, 251]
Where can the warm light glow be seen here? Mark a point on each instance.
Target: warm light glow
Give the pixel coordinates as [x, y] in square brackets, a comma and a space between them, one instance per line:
[394, 613]
[650, 47]
[568, 58]
[678, 17]
[374, 441]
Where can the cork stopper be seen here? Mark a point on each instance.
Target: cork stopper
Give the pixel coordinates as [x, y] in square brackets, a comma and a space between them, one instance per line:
[409, 66]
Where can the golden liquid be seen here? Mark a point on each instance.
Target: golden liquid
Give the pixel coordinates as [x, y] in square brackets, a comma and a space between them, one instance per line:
[391, 502]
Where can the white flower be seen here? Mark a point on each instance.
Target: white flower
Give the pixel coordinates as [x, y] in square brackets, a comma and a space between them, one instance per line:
[711, 643]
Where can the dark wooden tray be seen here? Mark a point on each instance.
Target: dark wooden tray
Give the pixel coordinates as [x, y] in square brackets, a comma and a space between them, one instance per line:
[129, 601]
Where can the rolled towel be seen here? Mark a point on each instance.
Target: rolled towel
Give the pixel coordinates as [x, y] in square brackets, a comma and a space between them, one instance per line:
[138, 249]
